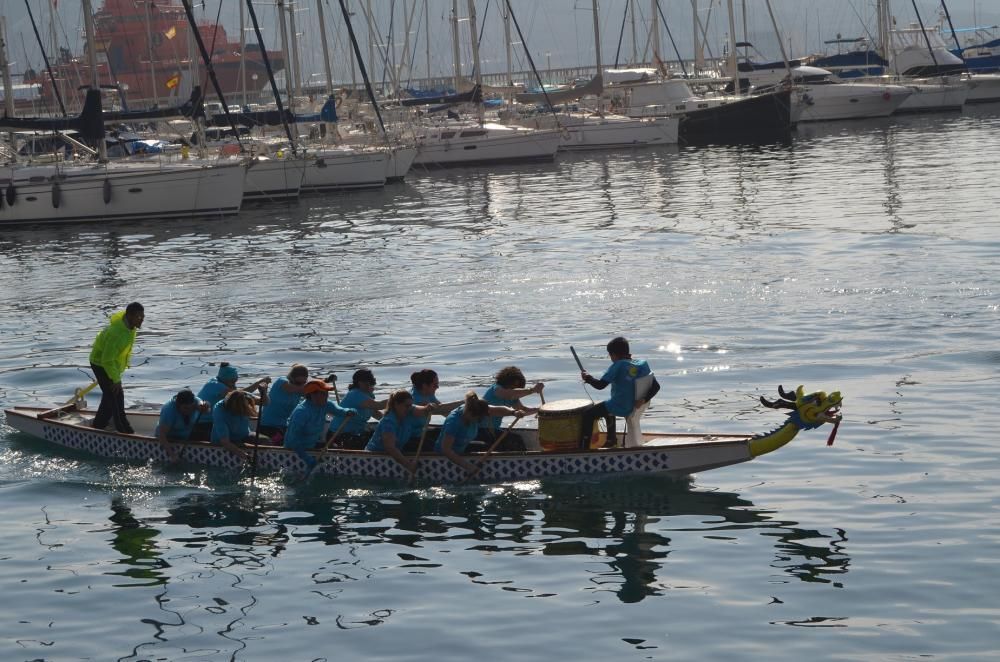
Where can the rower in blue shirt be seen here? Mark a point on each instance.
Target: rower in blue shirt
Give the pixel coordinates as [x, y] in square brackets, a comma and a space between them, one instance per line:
[462, 425]
[214, 391]
[393, 430]
[621, 374]
[177, 420]
[231, 420]
[360, 397]
[285, 395]
[311, 420]
[507, 391]
[425, 385]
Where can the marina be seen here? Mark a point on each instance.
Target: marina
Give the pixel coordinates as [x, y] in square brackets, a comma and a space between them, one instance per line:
[857, 257]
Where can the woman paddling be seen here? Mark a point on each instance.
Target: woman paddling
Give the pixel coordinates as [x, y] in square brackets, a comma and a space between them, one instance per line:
[359, 397]
[231, 420]
[393, 429]
[462, 425]
[285, 395]
[308, 420]
[509, 388]
[425, 385]
[214, 391]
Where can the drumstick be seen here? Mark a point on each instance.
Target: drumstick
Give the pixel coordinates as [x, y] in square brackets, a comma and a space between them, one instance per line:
[577, 358]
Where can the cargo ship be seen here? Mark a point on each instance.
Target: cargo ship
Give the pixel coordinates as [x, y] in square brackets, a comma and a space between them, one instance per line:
[143, 53]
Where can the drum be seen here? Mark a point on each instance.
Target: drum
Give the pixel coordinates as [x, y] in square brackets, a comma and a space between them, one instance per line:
[560, 425]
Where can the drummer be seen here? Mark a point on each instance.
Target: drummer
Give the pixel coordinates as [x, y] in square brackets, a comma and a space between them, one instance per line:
[507, 391]
[462, 425]
[621, 374]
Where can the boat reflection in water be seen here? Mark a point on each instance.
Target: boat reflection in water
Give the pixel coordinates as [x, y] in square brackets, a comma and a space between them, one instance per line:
[630, 526]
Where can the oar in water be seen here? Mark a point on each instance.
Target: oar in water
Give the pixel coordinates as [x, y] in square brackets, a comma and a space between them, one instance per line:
[489, 451]
[260, 414]
[420, 447]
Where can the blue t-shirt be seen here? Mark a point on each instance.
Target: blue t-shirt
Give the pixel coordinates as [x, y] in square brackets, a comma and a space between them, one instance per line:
[177, 426]
[413, 421]
[305, 425]
[280, 404]
[461, 432]
[494, 422]
[390, 423]
[622, 375]
[353, 400]
[213, 391]
[226, 424]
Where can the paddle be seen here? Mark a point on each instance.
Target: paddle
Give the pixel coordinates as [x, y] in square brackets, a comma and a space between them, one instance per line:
[260, 414]
[579, 365]
[489, 451]
[329, 442]
[420, 446]
[332, 379]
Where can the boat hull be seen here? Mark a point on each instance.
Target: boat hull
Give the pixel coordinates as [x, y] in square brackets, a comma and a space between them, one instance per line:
[933, 97]
[336, 170]
[749, 119]
[844, 101]
[615, 133]
[134, 191]
[482, 146]
[674, 455]
[983, 88]
[268, 180]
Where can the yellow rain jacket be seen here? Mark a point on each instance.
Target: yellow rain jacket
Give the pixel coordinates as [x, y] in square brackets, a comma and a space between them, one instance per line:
[113, 347]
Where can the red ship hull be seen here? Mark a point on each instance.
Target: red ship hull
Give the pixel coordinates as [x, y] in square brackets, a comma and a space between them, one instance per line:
[143, 50]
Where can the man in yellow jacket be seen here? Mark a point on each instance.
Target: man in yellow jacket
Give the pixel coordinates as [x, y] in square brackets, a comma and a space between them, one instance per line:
[109, 359]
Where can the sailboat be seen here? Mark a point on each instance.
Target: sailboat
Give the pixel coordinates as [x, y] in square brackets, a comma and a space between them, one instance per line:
[103, 190]
[463, 144]
[601, 130]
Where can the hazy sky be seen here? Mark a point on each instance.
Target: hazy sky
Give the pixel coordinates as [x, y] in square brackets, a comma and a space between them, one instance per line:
[559, 32]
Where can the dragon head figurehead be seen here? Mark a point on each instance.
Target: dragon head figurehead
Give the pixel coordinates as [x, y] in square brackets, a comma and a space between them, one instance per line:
[807, 411]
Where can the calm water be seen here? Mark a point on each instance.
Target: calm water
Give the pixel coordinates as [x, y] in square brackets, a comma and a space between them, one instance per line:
[862, 257]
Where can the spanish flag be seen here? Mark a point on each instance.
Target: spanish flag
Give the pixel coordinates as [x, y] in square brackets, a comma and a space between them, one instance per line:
[173, 81]
[171, 33]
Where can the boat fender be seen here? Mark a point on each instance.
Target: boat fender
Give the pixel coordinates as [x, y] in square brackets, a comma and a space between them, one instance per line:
[11, 194]
[56, 195]
[107, 190]
[320, 163]
[886, 95]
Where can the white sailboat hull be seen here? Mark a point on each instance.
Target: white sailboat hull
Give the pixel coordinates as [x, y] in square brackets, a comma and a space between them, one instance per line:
[273, 179]
[470, 146]
[399, 162]
[57, 193]
[607, 133]
[844, 101]
[930, 97]
[983, 88]
[341, 169]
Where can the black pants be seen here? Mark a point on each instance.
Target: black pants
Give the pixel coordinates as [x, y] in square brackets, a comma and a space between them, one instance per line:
[112, 407]
[512, 443]
[597, 411]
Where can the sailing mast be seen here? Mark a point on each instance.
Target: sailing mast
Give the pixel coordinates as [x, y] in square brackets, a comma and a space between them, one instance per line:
[732, 50]
[597, 57]
[327, 73]
[475, 58]
[149, 51]
[8, 87]
[88, 26]
[456, 56]
[243, 50]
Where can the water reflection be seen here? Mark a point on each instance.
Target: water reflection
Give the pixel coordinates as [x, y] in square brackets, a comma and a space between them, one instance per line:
[628, 527]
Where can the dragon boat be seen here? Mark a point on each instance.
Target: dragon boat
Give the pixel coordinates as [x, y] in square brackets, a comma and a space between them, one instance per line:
[668, 454]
